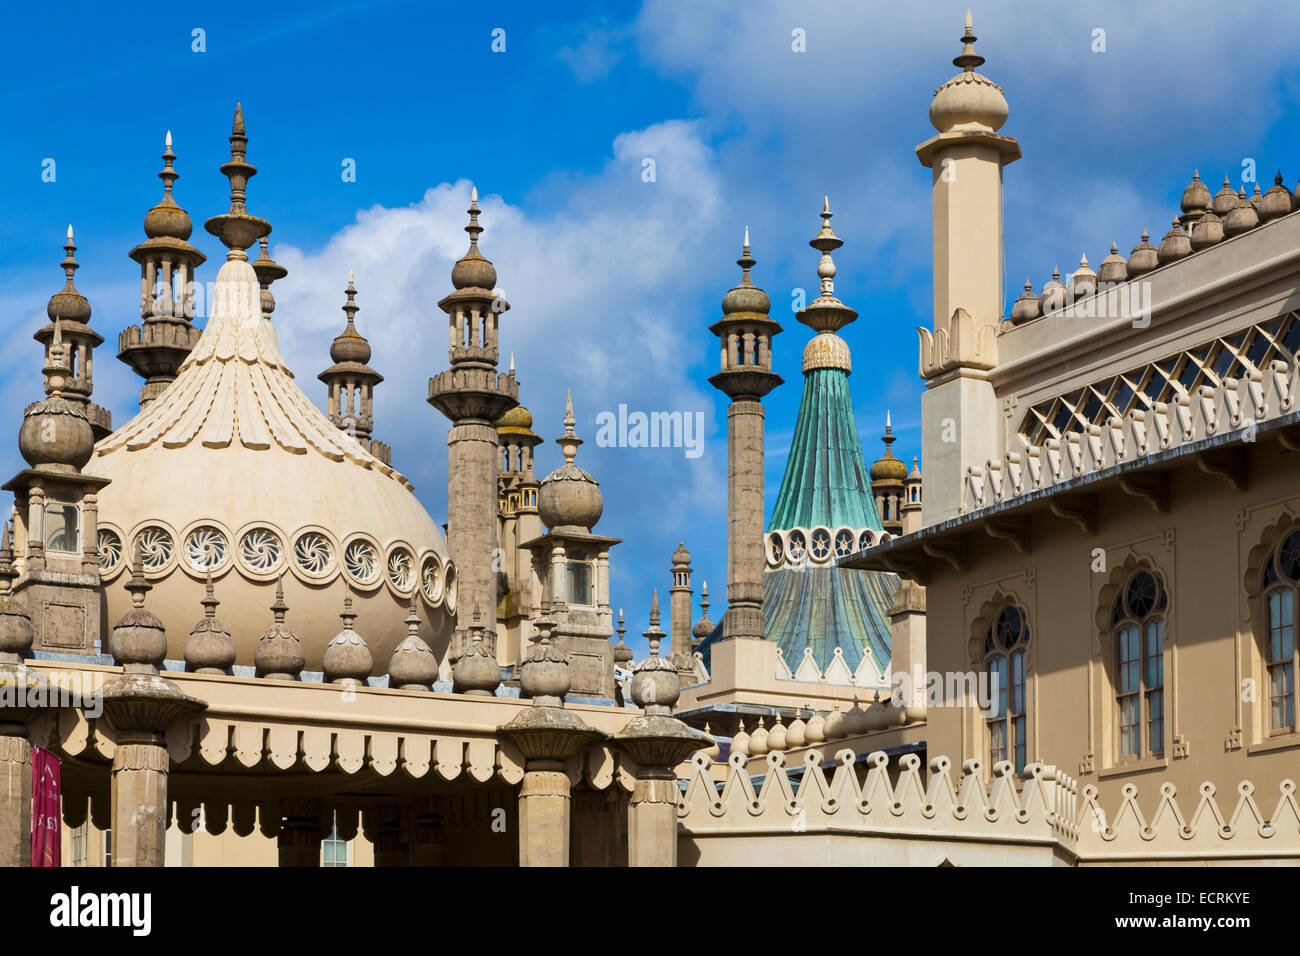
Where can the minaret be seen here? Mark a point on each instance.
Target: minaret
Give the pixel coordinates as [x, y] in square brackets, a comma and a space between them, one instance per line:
[519, 522]
[913, 501]
[745, 377]
[474, 395]
[888, 477]
[267, 271]
[703, 627]
[56, 507]
[960, 415]
[680, 599]
[351, 381]
[69, 309]
[157, 346]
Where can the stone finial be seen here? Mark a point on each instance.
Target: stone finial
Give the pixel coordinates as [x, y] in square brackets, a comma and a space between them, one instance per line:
[569, 441]
[476, 672]
[622, 653]
[347, 658]
[714, 751]
[413, 665]
[758, 740]
[968, 59]
[655, 682]
[544, 673]
[267, 271]
[279, 654]
[209, 649]
[703, 627]
[740, 740]
[138, 641]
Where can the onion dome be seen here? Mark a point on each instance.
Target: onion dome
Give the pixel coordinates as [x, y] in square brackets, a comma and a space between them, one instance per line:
[855, 721]
[347, 658]
[138, 641]
[68, 304]
[55, 433]
[412, 666]
[267, 270]
[1084, 281]
[517, 421]
[622, 653]
[209, 649]
[1225, 200]
[777, 737]
[680, 554]
[1113, 267]
[168, 220]
[1175, 245]
[1243, 217]
[714, 751]
[1196, 198]
[350, 345]
[476, 671]
[569, 498]
[740, 740]
[1255, 198]
[1026, 306]
[1144, 258]
[1277, 202]
[827, 350]
[703, 627]
[472, 270]
[655, 682]
[746, 297]
[758, 740]
[815, 732]
[888, 468]
[279, 653]
[834, 727]
[237, 230]
[1052, 298]
[969, 101]
[1207, 231]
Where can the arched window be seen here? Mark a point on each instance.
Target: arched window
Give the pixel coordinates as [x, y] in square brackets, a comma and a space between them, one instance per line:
[1281, 582]
[1138, 627]
[1005, 646]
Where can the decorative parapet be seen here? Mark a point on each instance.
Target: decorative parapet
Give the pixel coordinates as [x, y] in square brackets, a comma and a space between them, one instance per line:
[1043, 811]
[1044, 808]
[800, 548]
[837, 672]
[1207, 412]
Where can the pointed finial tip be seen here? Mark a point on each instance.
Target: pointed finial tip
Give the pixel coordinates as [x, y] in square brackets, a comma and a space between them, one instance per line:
[512, 361]
[168, 141]
[473, 194]
[826, 204]
[351, 279]
[69, 232]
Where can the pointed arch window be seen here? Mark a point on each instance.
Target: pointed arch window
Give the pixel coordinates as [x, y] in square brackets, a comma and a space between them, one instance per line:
[1281, 585]
[1006, 645]
[1138, 633]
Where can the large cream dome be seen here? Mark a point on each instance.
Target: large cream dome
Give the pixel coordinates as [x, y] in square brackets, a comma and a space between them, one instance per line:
[234, 467]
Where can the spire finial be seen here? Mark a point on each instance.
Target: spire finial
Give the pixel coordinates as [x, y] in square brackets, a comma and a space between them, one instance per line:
[621, 629]
[138, 586]
[827, 242]
[69, 262]
[654, 634]
[569, 441]
[654, 606]
[168, 175]
[349, 618]
[350, 308]
[473, 228]
[210, 602]
[969, 59]
[278, 608]
[237, 230]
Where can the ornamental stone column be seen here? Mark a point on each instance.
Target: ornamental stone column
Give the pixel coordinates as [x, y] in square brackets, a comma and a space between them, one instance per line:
[656, 742]
[140, 705]
[548, 735]
[746, 376]
[474, 396]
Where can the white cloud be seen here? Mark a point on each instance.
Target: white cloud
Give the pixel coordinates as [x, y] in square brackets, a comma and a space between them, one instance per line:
[602, 297]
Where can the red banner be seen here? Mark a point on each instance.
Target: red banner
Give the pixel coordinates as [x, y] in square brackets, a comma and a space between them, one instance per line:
[46, 808]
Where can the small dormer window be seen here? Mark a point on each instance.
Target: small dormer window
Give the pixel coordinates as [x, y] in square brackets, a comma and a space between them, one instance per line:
[62, 527]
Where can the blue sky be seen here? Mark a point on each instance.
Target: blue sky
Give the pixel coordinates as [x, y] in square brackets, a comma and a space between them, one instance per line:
[613, 280]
